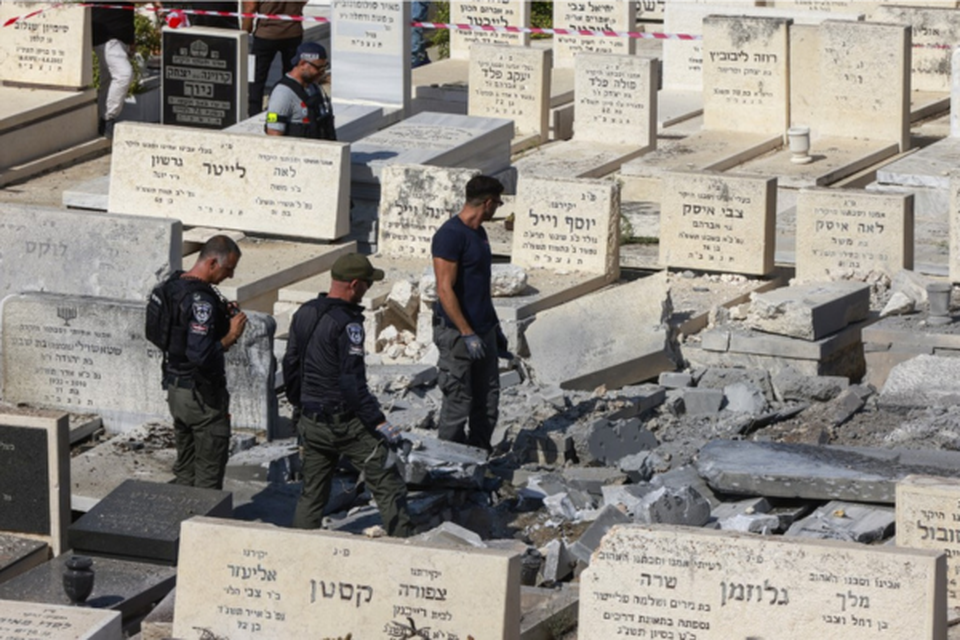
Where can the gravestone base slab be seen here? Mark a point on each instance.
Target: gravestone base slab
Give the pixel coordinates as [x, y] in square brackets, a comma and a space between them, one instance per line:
[925, 104]
[18, 555]
[833, 160]
[897, 339]
[675, 106]
[577, 159]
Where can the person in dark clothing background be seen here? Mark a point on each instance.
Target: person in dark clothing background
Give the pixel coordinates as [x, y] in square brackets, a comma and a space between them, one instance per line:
[205, 327]
[271, 37]
[339, 414]
[114, 40]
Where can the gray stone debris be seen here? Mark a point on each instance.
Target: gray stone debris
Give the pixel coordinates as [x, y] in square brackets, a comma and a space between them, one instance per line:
[761, 523]
[558, 562]
[702, 402]
[807, 471]
[809, 311]
[590, 539]
[837, 411]
[437, 463]
[609, 441]
[639, 398]
[669, 505]
[899, 304]
[450, 534]
[675, 379]
[628, 498]
[911, 284]
[923, 381]
[507, 280]
[789, 384]
[640, 467]
[743, 397]
[846, 521]
[721, 377]
[593, 479]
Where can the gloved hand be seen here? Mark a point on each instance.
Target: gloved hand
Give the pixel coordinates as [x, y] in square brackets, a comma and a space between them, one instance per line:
[389, 432]
[474, 346]
[503, 347]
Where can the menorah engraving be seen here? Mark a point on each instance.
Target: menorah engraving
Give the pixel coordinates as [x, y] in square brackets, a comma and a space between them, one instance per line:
[66, 314]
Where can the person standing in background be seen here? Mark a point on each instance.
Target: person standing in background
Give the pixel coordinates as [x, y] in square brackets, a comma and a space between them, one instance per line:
[419, 12]
[114, 41]
[271, 37]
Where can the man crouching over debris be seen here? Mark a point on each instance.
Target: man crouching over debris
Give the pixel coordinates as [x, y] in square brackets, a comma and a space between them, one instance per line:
[326, 377]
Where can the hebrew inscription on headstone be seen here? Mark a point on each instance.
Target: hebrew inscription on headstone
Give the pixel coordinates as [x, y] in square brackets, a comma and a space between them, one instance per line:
[51, 48]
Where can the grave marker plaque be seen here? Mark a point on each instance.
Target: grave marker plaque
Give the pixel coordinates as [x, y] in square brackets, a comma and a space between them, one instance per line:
[746, 74]
[141, 520]
[567, 225]
[494, 13]
[33, 621]
[616, 99]
[52, 48]
[204, 77]
[664, 581]
[591, 16]
[718, 222]
[261, 581]
[931, 28]
[415, 200]
[844, 230]
[35, 474]
[511, 82]
[266, 184]
[928, 517]
[370, 44]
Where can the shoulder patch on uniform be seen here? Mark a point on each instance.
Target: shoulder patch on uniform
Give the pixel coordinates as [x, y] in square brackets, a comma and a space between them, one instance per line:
[355, 332]
[202, 311]
[272, 117]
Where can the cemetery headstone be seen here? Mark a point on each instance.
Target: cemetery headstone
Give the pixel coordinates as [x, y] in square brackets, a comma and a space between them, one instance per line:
[86, 254]
[592, 16]
[19, 554]
[89, 354]
[28, 620]
[931, 29]
[954, 221]
[928, 517]
[644, 580]
[415, 201]
[874, 58]
[204, 76]
[261, 581]
[370, 44]
[274, 185]
[718, 222]
[35, 474]
[841, 231]
[487, 13]
[511, 82]
[51, 48]
[616, 97]
[568, 225]
[141, 520]
[745, 66]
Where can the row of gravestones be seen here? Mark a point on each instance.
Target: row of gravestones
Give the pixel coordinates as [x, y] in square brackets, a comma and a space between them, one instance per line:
[643, 581]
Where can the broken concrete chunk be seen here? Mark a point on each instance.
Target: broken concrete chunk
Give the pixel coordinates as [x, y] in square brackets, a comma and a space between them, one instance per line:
[669, 505]
[702, 402]
[608, 441]
[507, 280]
[438, 463]
[590, 539]
[742, 397]
[403, 299]
[921, 382]
[686, 476]
[911, 284]
[641, 466]
[750, 506]
[628, 497]
[393, 377]
[641, 398]
[789, 384]
[675, 379]
[846, 521]
[751, 523]
[899, 304]
[809, 311]
[593, 479]
[808, 471]
[557, 564]
[721, 377]
[561, 506]
[450, 534]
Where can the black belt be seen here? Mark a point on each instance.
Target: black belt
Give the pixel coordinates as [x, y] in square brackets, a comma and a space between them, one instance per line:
[180, 382]
[328, 417]
[440, 321]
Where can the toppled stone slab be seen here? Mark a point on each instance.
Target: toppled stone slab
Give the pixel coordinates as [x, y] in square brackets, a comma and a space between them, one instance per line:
[573, 346]
[449, 534]
[669, 505]
[846, 521]
[675, 379]
[558, 563]
[552, 614]
[438, 463]
[809, 311]
[742, 397]
[813, 472]
[723, 377]
[590, 539]
[593, 479]
[924, 381]
[640, 399]
[836, 411]
[686, 476]
[702, 402]
[789, 384]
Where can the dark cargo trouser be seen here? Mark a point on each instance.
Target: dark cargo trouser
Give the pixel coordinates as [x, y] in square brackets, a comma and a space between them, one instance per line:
[323, 443]
[201, 424]
[471, 388]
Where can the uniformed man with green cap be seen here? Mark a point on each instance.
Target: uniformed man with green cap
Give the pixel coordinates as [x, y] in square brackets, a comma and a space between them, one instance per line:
[339, 414]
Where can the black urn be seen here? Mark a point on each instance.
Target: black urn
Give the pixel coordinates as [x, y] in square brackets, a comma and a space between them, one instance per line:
[78, 578]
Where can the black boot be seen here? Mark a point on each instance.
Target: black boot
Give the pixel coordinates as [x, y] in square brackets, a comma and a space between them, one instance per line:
[101, 126]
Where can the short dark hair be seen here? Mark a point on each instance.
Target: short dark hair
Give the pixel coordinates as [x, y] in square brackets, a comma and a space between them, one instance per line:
[219, 247]
[482, 187]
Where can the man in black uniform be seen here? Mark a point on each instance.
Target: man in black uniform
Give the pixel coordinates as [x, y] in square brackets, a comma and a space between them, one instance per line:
[339, 414]
[194, 375]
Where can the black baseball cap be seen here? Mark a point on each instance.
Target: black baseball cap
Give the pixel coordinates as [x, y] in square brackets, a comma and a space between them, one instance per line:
[354, 266]
[310, 51]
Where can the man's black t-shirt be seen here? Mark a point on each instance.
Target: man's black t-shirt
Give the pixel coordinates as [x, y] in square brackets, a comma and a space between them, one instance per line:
[470, 249]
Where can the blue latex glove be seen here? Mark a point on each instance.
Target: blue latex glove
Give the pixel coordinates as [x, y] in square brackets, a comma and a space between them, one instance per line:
[474, 346]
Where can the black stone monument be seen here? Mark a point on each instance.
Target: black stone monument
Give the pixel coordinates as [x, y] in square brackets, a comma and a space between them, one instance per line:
[141, 520]
[204, 75]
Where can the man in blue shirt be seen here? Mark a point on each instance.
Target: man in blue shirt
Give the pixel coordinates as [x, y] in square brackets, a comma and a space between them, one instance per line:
[465, 325]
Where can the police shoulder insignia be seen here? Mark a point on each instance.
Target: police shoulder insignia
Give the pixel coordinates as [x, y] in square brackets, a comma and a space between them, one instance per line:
[272, 117]
[355, 332]
[202, 311]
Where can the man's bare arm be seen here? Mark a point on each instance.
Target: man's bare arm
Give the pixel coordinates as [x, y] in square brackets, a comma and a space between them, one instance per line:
[446, 273]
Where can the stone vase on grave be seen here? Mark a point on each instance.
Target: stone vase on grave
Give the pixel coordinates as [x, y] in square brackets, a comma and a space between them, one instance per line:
[78, 579]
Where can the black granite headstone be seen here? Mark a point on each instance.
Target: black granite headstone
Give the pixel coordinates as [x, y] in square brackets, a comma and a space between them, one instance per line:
[204, 78]
[124, 586]
[20, 554]
[141, 520]
[24, 481]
